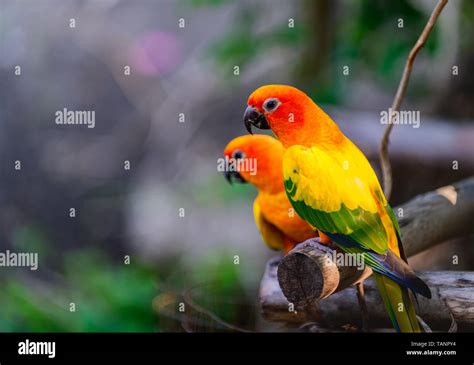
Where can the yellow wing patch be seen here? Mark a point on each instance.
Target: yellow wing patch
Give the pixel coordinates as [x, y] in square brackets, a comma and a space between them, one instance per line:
[325, 177]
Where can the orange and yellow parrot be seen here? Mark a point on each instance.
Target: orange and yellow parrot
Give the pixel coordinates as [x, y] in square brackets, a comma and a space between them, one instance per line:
[332, 186]
[280, 227]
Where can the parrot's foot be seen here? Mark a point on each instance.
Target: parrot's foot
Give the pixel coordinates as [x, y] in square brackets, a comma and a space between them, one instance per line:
[363, 306]
[326, 240]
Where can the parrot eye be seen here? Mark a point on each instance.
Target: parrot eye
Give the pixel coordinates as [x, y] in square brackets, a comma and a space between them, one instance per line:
[271, 104]
[237, 154]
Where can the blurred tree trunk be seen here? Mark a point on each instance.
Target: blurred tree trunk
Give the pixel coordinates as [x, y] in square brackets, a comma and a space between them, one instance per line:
[316, 56]
[457, 99]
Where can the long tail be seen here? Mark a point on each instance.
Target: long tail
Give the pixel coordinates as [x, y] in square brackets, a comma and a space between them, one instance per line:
[398, 303]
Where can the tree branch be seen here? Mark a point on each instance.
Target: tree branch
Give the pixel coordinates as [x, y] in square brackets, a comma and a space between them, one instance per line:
[437, 216]
[306, 275]
[402, 87]
[452, 292]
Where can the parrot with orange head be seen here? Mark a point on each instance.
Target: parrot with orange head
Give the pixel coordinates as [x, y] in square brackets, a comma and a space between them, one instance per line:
[332, 186]
[280, 227]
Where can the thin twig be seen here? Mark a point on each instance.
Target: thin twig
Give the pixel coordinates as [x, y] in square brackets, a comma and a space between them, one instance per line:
[397, 101]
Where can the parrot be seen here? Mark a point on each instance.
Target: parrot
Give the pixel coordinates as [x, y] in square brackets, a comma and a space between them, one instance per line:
[279, 226]
[332, 186]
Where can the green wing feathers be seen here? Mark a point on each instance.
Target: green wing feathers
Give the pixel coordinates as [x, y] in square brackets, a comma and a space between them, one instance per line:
[348, 205]
[398, 303]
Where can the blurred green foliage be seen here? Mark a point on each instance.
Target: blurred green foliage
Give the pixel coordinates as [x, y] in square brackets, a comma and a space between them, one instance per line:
[31, 238]
[111, 296]
[107, 297]
[241, 47]
[209, 2]
[216, 190]
[373, 37]
[363, 34]
[467, 24]
[242, 44]
[218, 288]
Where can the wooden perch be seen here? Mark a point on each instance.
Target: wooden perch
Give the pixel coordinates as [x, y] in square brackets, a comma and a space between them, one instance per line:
[307, 275]
[452, 296]
[311, 268]
[437, 216]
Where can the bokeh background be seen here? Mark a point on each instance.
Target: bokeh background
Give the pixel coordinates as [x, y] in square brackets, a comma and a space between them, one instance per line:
[191, 70]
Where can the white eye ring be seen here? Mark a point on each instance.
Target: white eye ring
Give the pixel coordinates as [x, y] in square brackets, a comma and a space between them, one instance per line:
[238, 154]
[271, 104]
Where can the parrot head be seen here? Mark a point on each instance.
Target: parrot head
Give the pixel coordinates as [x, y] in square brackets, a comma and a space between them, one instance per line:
[255, 159]
[287, 111]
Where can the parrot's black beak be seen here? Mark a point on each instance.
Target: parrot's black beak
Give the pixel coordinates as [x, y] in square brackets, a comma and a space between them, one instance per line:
[232, 176]
[228, 177]
[253, 117]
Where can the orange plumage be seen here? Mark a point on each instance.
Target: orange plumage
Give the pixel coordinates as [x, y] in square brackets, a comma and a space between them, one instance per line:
[281, 228]
[297, 120]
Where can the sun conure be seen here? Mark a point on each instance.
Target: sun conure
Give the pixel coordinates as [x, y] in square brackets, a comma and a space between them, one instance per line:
[280, 227]
[332, 186]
